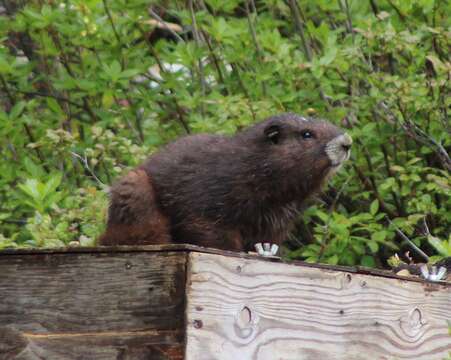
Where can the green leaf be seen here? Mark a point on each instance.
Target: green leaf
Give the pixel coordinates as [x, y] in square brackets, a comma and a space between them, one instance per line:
[329, 56]
[17, 109]
[54, 106]
[5, 65]
[374, 246]
[51, 200]
[368, 261]
[35, 171]
[440, 245]
[332, 260]
[53, 183]
[374, 207]
[323, 216]
[379, 236]
[30, 188]
[129, 73]
[107, 99]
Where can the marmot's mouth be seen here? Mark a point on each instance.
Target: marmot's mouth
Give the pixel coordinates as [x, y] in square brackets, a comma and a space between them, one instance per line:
[338, 150]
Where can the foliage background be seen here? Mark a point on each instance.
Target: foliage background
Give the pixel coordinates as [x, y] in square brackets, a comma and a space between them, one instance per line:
[90, 88]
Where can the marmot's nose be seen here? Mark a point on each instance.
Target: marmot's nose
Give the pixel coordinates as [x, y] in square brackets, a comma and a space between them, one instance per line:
[346, 142]
[346, 147]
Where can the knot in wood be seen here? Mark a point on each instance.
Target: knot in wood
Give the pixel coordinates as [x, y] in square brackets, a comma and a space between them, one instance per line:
[198, 324]
[412, 323]
[346, 281]
[245, 323]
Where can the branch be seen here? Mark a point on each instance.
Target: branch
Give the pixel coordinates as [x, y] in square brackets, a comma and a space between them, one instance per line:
[84, 161]
[300, 26]
[180, 117]
[254, 39]
[197, 40]
[107, 10]
[25, 125]
[410, 242]
[419, 135]
[172, 28]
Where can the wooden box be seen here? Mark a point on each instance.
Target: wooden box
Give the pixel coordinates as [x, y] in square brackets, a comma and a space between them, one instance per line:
[184, 302]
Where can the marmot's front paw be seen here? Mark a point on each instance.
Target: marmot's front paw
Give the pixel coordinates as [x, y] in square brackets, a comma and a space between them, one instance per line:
[434, 273]
[266, 249]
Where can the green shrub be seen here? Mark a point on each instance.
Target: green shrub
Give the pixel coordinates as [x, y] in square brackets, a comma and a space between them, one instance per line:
[89, 88]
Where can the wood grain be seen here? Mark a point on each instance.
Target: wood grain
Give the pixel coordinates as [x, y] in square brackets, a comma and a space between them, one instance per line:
[185, 248]
[250, 309]
[92, 306]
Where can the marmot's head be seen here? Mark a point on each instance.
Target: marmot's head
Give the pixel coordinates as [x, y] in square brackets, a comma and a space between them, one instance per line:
[299, 152]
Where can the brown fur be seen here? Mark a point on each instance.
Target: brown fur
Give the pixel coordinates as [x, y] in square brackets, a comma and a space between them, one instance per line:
[134, 213]
[223, 192]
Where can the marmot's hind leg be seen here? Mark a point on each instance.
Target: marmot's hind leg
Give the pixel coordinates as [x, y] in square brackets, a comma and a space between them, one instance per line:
[133, 216]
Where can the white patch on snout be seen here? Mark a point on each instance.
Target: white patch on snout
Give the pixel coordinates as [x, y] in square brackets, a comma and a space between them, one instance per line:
[335, 149]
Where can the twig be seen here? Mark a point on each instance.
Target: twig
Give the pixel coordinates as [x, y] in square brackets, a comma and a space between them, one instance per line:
[397, 201]
[345, 9]
[138, 118]
[243, 87]
[64, 59]
[368, 186]
[254, 39]
[410, 242]
[163, 70]
[337, 197]
[27, 128]
[418, 134]
[215, 60]
[84, 161]
[307, 48]
[300, 26]
[56, 97]
[331, 210]
[426, 227]
[110, 18]
[198, 42]
[165, 25]
[374, 7]
[400, 14]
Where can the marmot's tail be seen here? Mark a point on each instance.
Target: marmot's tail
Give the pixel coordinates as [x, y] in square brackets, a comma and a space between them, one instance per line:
[134, 217]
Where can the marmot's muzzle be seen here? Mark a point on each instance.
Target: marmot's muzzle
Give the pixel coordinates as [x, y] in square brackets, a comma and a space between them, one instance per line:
[339, 149]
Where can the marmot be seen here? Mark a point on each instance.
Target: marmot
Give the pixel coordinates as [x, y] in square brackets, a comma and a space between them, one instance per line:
[226, 192]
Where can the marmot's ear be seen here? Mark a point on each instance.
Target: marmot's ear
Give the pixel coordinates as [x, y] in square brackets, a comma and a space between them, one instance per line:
[272, 132]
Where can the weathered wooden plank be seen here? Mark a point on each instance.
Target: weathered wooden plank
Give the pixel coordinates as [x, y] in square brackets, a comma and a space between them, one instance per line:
[250, 309]
[136, 345]
[193, 248]
[92, 306]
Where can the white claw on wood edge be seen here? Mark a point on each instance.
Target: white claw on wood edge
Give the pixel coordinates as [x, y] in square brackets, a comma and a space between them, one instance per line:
[259, 248]
[266, 249]
[435, 274]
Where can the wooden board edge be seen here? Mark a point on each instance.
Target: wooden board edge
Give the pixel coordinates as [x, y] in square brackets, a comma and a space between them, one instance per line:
[198, 249]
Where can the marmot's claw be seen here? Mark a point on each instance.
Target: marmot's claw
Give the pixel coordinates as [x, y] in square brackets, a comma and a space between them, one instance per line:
[266, 249]
[435, 274]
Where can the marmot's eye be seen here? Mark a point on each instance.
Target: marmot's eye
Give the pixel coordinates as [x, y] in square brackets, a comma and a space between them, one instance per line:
[306, 134]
